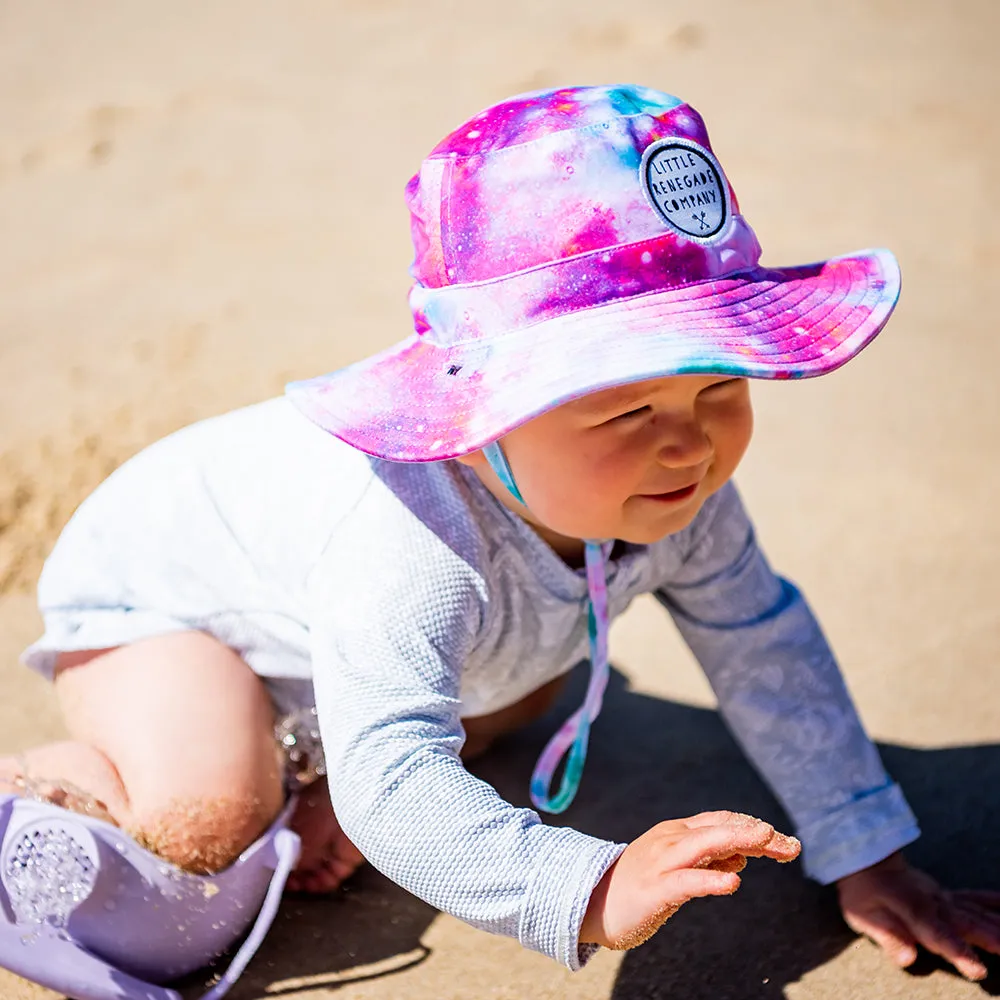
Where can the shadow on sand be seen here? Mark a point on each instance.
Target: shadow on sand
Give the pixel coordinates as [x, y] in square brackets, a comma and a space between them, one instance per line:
[652, 759]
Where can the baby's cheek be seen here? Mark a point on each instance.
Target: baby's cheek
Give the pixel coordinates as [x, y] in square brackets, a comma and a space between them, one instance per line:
[731, 439]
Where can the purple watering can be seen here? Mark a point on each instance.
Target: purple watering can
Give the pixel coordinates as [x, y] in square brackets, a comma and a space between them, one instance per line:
[86, 911]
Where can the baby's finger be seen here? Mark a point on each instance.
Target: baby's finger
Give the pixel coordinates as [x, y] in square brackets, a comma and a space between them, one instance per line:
[889, 933]
[781, 847]
[734, 863]
[689, 883]
[720, 817]
[942, 937]
[980, 927]
[987, 898]
[701, 847]
[676, 888]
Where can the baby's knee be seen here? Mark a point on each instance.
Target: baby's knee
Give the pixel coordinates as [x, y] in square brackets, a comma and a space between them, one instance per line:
[202, 835]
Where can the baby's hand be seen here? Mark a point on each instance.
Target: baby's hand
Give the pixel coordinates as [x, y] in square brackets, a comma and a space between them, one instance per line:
[899, 907]
[672, 863]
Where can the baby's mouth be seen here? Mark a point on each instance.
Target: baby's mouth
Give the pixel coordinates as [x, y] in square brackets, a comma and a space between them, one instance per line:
[674, 496]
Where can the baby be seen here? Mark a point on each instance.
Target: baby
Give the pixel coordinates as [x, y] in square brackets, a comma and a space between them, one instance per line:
[406, 557]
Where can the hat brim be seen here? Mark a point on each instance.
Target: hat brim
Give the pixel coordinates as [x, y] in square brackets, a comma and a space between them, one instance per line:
[419, 401]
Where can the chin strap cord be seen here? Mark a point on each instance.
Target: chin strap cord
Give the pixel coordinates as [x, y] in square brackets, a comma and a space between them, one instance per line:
[574, 734]
[286, 847]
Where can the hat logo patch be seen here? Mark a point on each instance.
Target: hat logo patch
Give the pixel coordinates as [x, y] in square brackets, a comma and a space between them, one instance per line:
[684, 183]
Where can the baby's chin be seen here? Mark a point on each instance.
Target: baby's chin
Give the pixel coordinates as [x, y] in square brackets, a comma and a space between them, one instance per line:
[643, 524]
[638, 523]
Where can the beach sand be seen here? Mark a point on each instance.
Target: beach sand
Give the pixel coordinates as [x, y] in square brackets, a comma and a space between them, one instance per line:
[201, 200]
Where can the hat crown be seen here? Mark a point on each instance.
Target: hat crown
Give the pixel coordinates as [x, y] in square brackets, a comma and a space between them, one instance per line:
[543, 177]
[529, 117]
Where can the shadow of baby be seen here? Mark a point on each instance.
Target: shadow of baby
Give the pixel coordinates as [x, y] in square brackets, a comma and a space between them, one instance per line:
[649, 760]
[652, 759]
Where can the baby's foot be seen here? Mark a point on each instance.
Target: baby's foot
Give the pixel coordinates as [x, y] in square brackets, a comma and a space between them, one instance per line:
[327, 857]
[13, 781]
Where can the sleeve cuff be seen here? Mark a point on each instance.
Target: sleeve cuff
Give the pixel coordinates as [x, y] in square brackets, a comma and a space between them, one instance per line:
[558, 897]
[858, 834]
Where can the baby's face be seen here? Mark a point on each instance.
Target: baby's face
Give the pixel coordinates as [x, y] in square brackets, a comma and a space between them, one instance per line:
[635, 462]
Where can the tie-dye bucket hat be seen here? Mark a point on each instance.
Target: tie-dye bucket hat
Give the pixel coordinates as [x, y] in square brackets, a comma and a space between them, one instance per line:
[576, 239]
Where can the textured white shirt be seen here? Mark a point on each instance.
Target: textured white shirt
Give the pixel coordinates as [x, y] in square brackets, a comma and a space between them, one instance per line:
[407, 597]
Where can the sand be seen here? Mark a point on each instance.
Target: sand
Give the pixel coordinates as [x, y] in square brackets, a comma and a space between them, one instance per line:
[201, 200]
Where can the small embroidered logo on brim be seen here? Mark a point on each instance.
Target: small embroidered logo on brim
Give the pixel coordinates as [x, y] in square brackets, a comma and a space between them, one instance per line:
[684, 183]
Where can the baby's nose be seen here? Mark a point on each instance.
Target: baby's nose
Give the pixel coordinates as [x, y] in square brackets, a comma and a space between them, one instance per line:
[686, 445]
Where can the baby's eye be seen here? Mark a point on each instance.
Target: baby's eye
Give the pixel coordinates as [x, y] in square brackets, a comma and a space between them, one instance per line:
[729, 383]
[630, 414]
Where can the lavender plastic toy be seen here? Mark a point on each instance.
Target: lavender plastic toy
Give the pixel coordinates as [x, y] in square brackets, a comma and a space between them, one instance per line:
[86, 911]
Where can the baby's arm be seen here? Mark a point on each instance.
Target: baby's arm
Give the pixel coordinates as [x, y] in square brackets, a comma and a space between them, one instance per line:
[386, 673]
[386, 668]
[783, 697]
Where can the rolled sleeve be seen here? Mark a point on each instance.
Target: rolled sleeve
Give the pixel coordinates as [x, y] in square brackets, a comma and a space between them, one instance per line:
[551, 918]
[858, 834]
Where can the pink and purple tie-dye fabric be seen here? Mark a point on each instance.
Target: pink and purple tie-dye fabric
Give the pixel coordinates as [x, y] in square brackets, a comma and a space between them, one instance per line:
[544, 270]
[539, 179]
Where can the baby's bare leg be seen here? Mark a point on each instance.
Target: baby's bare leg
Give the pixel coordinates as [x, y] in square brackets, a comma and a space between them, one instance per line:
[482, 730]
[328, 856]
[86, 781]
[174, 736]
